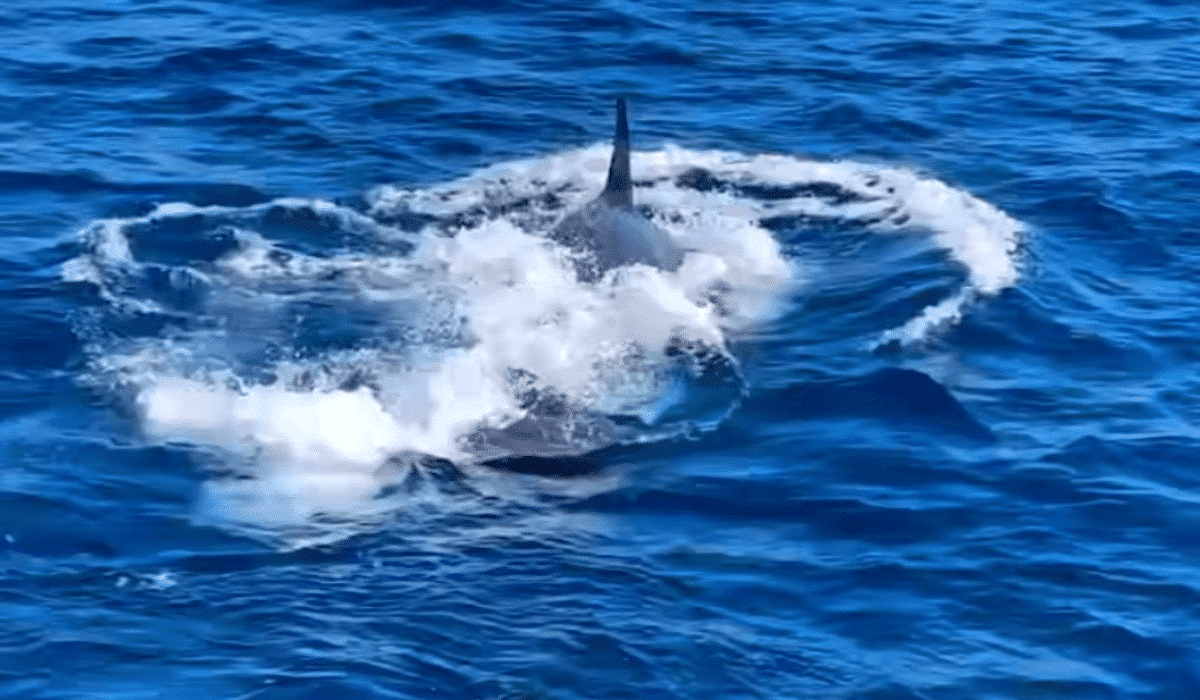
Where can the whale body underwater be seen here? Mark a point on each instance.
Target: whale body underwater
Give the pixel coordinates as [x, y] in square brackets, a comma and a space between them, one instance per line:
[607, 232]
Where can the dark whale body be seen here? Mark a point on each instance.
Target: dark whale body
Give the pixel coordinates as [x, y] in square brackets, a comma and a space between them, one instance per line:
[608, 232]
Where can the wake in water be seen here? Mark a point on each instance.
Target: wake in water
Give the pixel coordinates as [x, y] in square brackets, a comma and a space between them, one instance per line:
[320, 348]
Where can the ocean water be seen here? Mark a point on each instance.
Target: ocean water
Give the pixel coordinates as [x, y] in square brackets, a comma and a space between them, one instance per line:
[299, 401]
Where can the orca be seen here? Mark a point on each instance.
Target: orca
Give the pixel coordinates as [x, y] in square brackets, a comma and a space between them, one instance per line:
[608, 232]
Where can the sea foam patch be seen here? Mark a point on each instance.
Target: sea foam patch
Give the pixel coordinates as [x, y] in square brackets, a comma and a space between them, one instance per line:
[312, 343]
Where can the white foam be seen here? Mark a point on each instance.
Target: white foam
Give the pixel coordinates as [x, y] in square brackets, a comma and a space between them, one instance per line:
[482, 310]
[107, 247]
[348, 427]
[981, 237]
[944, 313]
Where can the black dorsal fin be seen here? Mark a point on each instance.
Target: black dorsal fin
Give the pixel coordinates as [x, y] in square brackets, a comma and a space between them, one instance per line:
[618, 191]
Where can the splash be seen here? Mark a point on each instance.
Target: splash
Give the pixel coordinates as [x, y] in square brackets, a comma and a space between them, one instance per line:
[311, 343]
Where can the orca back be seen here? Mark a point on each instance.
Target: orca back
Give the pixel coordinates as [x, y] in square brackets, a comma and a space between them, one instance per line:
[607, 231]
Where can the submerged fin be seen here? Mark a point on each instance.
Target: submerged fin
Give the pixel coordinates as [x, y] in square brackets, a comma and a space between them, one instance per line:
[618, 191]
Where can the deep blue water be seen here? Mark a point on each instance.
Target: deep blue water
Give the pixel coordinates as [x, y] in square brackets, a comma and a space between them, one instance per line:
[275, 302]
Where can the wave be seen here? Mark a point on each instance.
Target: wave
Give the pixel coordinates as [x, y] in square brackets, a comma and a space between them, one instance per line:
[312, 345]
